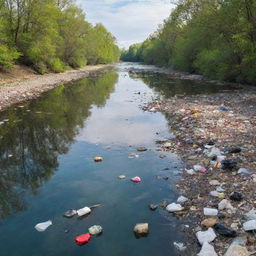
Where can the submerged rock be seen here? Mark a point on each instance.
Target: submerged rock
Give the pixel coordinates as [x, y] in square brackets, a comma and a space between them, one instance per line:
[141, 229]
[70, 213]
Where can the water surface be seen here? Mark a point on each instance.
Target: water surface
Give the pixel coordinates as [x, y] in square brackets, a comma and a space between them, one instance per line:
[46, 151]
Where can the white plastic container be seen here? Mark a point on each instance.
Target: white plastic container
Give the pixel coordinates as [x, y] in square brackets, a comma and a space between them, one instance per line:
[83, 211]
[210, 212]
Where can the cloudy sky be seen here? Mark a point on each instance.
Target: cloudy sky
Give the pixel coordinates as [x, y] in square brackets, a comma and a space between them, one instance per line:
[130, 21]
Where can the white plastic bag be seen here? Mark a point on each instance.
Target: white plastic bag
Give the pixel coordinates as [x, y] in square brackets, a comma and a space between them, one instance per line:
[174, 207]
[40, 227]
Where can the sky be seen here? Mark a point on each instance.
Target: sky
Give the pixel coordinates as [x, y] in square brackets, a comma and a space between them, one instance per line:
[130, 21]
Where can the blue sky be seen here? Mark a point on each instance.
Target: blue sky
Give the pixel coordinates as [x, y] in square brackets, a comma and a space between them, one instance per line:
[130, 21]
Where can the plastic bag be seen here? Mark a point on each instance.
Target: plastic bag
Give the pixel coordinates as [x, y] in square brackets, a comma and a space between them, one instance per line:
[40, 227]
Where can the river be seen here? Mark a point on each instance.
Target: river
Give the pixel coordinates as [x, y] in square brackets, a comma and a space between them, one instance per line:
[47, 147]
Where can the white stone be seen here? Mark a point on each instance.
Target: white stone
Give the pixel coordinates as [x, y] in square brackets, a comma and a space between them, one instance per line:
[237, 250]
[207, 250]
[249, 225]
[182, 199]
[206, 236]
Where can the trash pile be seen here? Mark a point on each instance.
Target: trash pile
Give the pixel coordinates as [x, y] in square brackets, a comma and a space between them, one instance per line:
[215, 135]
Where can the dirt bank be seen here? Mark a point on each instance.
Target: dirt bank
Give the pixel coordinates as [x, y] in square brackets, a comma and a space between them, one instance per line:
[227, 122]
[22, 83]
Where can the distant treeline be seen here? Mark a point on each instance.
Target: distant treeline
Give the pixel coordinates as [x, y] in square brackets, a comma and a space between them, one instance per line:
[216, 38]
[51, 35]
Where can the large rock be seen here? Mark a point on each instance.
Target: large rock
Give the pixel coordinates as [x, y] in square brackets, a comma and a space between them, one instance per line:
[141, 229]
[207, 250]
[206, 236]
[237, 250]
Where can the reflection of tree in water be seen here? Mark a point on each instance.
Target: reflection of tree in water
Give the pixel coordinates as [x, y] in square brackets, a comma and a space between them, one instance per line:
[169, 86]
[36, 134]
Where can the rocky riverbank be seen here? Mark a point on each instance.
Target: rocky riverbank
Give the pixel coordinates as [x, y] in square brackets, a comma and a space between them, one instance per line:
[215, 135]
[19, 88]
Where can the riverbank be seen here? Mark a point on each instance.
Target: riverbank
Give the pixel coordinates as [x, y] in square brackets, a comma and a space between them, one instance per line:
[224, 121]
[23, 84]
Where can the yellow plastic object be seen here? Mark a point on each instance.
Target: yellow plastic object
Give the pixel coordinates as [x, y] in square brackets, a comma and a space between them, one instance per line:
[98, 159]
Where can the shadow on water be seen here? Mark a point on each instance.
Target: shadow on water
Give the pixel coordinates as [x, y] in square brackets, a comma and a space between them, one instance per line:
[36, 133]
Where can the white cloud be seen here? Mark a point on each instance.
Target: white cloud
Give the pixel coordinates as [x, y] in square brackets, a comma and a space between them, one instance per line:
[129, 21]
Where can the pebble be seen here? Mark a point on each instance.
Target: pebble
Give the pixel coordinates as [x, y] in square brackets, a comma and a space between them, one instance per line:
[142, 149]
[210, 222]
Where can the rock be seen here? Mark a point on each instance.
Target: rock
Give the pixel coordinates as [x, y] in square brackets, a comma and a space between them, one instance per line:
[205, 236]
[214, 152]
[164, 204]
[225, 204]
[174, 207]
[237, 250]
[249, 225]
[141, 229]
[69, 213]
[182, 200]
[121, 177]
[95, 230]
[210, 222]
[142, 149]
[236, 196]
[153, 207]
[222, 230]
[207, 250]
[251, 215]
[243, 171]
[214, 182]
[235, 150]
[210, 212]
[228, 164]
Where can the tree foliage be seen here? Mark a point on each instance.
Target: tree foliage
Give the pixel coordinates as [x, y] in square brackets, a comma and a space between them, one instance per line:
[51, 35]
[216, 38]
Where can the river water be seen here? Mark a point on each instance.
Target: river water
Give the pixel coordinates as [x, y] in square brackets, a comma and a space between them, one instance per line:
[46, 151]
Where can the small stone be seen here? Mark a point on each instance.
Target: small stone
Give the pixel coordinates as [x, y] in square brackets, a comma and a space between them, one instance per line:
[214, 182]
[210, 222]
[236, 196]
[237, 250]
[70, 213]
[153, 207]
[142, 149]
[141, 229]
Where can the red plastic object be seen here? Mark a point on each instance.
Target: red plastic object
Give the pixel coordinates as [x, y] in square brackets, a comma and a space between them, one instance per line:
[83, 239]
[136, 179]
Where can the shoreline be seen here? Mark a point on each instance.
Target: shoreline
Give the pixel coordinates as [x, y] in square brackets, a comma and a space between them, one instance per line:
[22, 89]
[227, 120]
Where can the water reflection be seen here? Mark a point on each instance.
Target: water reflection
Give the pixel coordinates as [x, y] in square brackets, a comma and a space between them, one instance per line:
[168, 86]
[34, 135]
